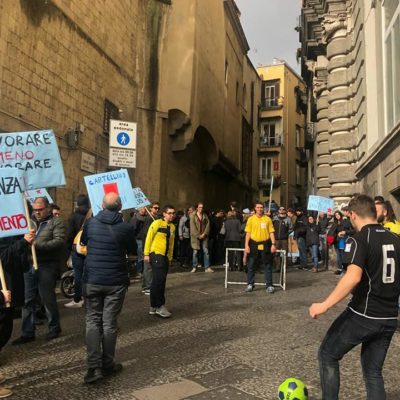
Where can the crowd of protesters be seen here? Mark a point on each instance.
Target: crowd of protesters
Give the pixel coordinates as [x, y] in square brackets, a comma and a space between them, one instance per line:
[194, 238]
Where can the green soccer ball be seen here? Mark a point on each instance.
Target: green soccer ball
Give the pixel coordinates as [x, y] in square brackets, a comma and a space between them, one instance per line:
[292, 389]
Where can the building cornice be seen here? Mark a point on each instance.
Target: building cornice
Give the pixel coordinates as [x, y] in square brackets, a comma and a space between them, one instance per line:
[232, 11]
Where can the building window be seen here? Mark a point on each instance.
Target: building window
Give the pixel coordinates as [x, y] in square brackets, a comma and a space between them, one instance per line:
[111, 111]
[392, 61]
[269, 133]
[298, 174]
[271, 93]
[265, 168]
[247, 143]
[298, 137]
[244, 100]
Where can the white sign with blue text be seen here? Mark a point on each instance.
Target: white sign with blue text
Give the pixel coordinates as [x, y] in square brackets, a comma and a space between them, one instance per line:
[319, 203]
[35, 153]
[123, 134]
[12, 210]
[110, 182]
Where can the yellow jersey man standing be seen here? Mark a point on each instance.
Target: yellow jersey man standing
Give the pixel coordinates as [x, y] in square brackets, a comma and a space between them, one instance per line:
[158, 251]
[260, 241]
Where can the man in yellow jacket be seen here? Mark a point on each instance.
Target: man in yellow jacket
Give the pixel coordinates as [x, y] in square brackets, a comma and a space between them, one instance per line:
[158, 250]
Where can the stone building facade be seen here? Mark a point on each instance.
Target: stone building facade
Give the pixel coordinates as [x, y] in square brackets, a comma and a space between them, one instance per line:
[350, 60]
[178, 69]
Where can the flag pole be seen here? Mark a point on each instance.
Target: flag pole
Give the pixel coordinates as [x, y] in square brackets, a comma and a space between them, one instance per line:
[270, 194]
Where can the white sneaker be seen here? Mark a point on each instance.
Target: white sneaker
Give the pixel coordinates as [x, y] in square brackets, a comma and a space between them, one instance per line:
[163, 312]
[152, 310]
[209, 270]
[193, 270]
[72, 304]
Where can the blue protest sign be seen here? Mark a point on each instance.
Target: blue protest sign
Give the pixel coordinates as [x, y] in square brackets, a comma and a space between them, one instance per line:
[31, 195]
[36, 153]
[12, 211]
[140, 198]
[114, 181]
[319, 203]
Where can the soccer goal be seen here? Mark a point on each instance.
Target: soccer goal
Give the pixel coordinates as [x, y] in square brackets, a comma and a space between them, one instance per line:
[282, 274]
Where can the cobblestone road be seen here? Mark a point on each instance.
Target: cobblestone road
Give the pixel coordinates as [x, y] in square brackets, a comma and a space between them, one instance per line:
[220, 344]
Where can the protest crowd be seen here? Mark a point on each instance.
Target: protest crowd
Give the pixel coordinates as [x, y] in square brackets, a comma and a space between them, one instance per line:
[101, 240]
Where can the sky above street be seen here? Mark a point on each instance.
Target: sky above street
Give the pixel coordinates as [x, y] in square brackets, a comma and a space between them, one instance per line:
[269, 27]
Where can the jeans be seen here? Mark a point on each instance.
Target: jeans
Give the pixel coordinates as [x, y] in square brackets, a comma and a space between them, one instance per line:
[103, 305]
[139, 264]
[314, 253]
[147, 275]
[301, 244]
[266, 263]
[159, 265]
[339, 258]
[346, 332]
[322, 247]
[77, 264]
[206, 256]
[43, 279]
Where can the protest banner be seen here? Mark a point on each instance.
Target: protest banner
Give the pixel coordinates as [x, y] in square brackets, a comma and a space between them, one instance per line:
[319, 203]
[36, 153]
[114, 181]
[140, 198]
[31, 195]
[13, 220]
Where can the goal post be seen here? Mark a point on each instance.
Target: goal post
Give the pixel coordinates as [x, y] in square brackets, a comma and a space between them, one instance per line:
[282, 274]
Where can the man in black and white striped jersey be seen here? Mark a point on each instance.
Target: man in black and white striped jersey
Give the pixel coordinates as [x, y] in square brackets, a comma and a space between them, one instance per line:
[373, 277]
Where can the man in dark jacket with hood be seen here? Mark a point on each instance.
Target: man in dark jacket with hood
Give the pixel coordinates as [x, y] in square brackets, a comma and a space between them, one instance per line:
[105, 281]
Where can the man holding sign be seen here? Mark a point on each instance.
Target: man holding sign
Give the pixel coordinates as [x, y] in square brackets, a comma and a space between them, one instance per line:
[50, 246]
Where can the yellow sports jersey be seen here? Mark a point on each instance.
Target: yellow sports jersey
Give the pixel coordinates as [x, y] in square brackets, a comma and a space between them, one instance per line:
[259, 228]
[156, 239]
[393, 227]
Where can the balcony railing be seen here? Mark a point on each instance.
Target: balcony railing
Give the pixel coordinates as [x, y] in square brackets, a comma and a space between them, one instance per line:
[264, 180]
[271, 103]
[271, 141]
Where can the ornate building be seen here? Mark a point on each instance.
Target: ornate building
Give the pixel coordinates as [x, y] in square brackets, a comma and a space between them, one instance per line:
[350, 59]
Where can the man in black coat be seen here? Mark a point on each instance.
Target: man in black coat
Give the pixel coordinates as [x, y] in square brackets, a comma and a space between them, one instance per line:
[105, 281]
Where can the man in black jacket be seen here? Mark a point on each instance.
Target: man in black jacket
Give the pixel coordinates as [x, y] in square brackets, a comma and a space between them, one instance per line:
[105, 281]
[283, 228]
[300, 231]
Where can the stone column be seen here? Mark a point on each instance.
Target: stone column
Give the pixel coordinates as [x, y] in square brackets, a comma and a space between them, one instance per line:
[341, 133]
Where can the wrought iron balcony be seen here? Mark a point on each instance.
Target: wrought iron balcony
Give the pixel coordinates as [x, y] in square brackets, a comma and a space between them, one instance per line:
[264, 181]
[271, 141]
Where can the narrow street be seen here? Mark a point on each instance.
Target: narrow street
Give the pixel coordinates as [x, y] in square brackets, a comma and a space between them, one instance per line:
[220, 344]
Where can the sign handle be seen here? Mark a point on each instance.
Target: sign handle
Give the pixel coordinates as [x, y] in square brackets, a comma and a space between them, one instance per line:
[3, 281]
[33, 248]
[270, 193]
[151, 215]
